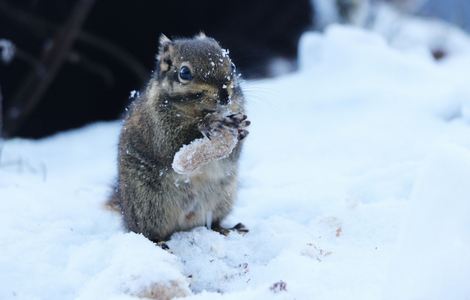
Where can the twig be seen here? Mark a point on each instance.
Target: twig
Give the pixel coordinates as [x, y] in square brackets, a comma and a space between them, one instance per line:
[26, 57]
[94, 67]
[39, 79]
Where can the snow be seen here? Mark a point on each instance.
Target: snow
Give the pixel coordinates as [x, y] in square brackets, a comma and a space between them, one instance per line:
[328, 12]
[57, 240]
[133, 94]
[415, 34]
[433, 261]
[353, 183]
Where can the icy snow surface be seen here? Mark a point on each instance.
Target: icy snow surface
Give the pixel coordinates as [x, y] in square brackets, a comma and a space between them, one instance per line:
[354, 184]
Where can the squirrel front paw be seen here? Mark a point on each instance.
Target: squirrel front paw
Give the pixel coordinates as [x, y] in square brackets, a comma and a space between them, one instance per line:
[213, 124]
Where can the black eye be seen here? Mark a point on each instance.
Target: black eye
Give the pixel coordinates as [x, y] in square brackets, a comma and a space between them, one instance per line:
[185, 74]
[234, 69]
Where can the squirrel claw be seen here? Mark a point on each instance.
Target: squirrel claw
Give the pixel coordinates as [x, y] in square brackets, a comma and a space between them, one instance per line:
[163, 245]
[240, 228]
[242, 133]
[213, 124]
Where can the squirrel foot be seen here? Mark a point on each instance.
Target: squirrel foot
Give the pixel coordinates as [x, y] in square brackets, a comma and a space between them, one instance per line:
[164, 246]
[240, 228]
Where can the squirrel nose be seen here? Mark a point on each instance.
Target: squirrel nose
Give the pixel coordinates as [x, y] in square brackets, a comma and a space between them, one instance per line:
[224, 97]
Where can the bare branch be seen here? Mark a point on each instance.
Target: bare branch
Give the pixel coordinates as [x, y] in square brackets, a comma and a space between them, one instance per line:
[41, 28]
[39, 79]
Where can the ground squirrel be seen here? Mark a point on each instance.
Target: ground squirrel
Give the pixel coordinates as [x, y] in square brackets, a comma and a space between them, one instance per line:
[181, 140]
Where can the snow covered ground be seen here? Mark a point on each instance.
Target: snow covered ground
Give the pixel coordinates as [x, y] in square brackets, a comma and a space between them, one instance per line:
[354, 185]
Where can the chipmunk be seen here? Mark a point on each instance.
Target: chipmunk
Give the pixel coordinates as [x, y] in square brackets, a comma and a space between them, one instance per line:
[181, 140]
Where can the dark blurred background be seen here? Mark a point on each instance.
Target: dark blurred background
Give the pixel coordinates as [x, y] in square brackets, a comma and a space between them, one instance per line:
[76, 61]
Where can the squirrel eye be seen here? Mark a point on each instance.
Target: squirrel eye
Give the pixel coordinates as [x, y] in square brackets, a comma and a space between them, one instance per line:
[234, 69]
[184, 74]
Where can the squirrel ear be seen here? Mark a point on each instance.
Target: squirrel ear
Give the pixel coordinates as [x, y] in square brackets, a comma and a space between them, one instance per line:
[200, 35]
[163, 44]
[163, 39]
[164, 53]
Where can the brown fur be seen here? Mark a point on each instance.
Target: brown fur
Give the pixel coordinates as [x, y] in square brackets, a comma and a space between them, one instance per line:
[170, 113]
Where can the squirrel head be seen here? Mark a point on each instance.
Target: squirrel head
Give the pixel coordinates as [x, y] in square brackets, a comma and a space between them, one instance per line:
[196, 75]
